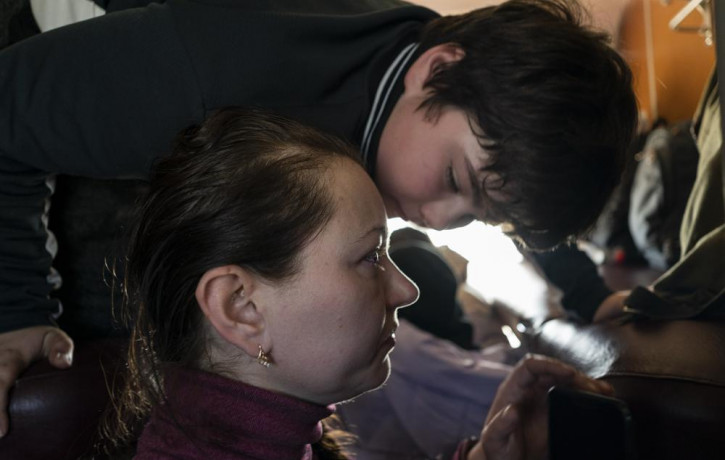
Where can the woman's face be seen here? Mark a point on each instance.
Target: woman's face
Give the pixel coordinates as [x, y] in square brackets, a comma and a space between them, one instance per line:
[332, 325]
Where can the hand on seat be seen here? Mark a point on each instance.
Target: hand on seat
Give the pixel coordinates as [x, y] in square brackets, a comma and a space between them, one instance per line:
[20, 348]
[612, 307]
[517, 424]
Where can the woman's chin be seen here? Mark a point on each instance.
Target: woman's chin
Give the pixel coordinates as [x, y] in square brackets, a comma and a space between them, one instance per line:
[375, 381]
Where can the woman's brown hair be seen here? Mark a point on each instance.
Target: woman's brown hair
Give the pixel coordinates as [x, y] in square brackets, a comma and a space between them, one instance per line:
[245, 187]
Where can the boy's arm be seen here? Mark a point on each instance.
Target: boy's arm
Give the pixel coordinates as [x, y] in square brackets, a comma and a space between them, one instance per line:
[26, 310]
[25, 255]
[99, 98]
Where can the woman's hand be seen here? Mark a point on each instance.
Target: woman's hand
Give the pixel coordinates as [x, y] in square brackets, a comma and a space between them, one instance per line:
[19, 349]
[517, 424]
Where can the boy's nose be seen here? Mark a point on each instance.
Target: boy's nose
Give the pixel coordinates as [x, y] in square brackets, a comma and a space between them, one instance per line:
[441, 215]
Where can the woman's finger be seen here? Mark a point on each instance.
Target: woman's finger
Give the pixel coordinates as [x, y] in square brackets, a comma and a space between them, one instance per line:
[501, 437]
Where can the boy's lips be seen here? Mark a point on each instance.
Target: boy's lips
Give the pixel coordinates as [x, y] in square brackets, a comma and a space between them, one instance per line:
[404, 216]
[399, 211]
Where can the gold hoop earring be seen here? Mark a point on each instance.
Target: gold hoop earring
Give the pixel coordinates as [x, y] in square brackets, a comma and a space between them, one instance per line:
[263, 358]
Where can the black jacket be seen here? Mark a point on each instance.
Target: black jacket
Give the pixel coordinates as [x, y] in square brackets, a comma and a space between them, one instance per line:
[105, 97]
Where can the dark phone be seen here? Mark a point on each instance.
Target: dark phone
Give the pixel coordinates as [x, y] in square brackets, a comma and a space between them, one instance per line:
[589, 426]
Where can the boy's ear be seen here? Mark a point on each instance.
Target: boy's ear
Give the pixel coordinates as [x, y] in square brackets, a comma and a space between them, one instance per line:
[225, 295]
[428, 63]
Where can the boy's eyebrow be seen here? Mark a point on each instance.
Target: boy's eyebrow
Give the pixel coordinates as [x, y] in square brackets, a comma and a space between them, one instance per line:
[475, 186]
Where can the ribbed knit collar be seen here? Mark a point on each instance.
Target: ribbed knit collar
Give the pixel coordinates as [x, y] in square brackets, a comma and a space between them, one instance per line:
[386, 93]
[208, 416]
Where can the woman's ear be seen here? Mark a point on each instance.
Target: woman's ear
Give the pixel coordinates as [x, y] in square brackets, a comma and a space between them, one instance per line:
[426, 65]
[226, 296]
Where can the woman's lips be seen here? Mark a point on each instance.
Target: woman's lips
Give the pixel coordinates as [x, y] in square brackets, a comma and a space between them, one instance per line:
[389, 343]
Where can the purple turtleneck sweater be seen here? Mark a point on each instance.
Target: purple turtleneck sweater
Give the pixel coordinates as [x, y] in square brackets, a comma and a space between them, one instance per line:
[208, 416]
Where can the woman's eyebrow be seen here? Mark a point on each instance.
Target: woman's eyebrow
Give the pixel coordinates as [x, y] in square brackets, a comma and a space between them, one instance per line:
[381, 230]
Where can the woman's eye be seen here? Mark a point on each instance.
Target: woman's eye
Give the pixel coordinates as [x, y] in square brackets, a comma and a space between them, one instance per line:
[451, 178]
[375, 258]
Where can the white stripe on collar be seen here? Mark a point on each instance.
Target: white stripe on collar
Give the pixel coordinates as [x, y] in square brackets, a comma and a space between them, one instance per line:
[379, 103]
[51, 14]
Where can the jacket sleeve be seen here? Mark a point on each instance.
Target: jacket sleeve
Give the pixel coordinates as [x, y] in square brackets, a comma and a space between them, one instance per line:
[25, 273]
[101, 98]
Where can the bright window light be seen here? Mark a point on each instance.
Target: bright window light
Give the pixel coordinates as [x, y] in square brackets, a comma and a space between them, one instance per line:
[494, 262]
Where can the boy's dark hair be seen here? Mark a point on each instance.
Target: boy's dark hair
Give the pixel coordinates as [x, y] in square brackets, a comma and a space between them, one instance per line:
[245, 187]
[550, 101]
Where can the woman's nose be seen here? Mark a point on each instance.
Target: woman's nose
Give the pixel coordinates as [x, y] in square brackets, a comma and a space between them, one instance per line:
[401, 291]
